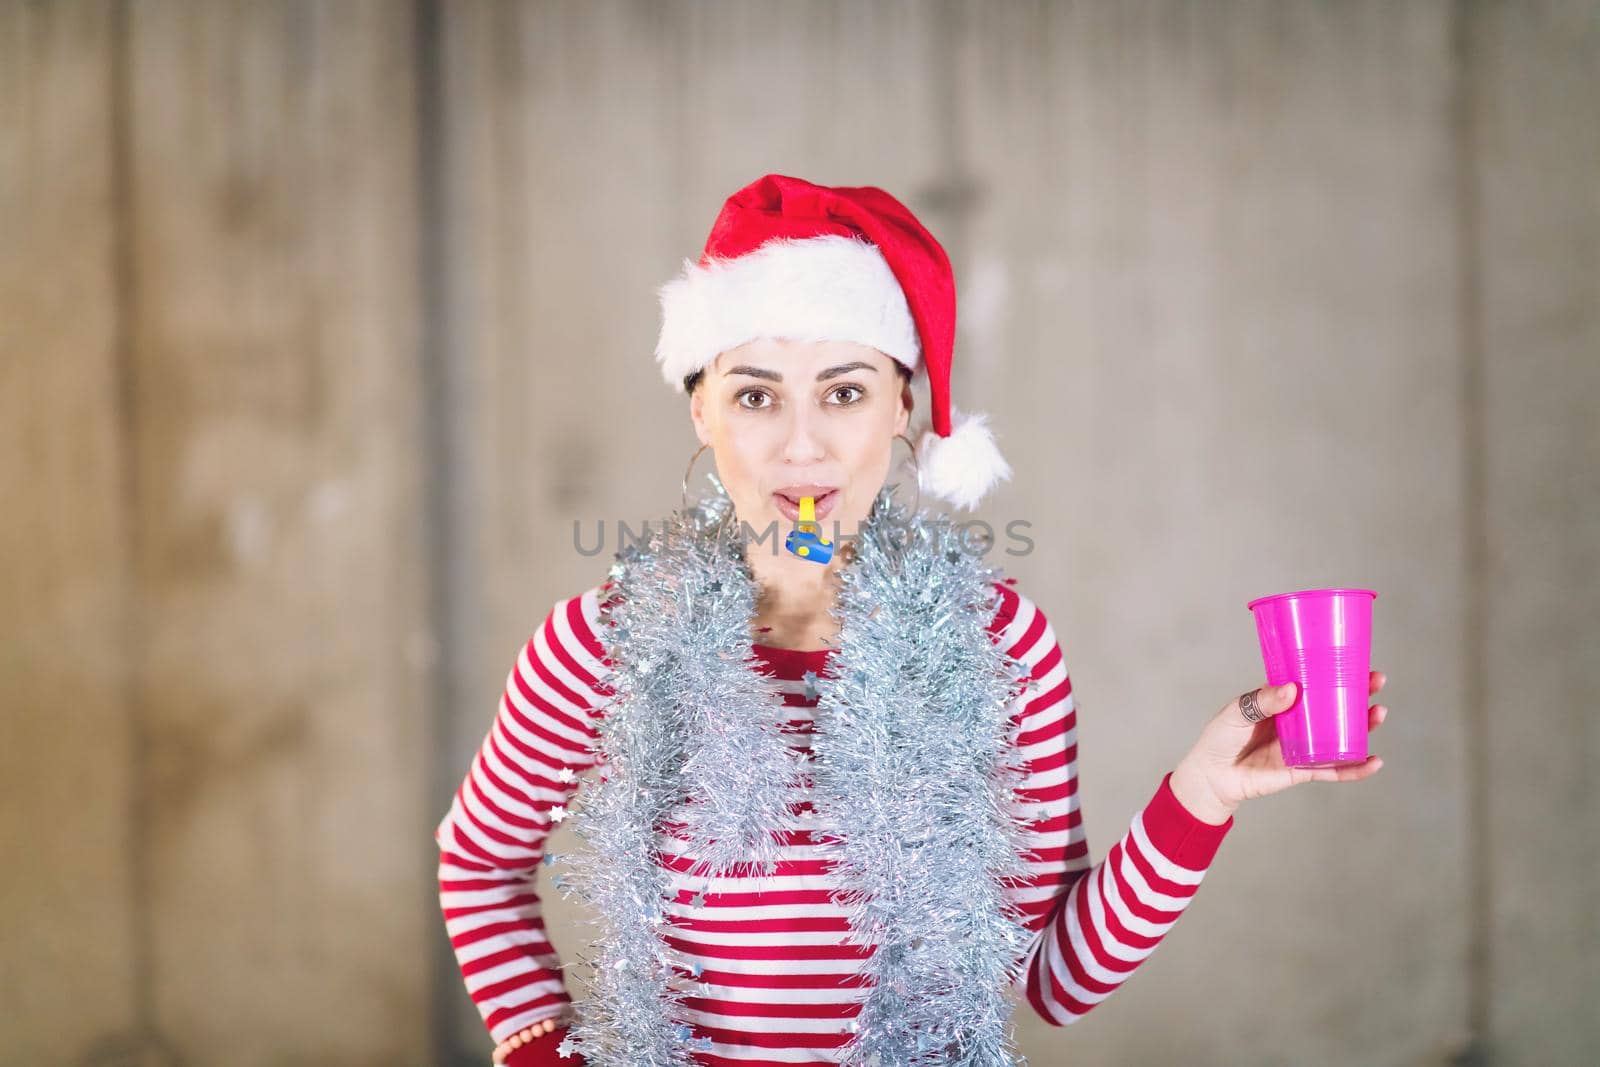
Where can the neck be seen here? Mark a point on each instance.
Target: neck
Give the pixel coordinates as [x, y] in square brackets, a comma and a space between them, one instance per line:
[795, 598]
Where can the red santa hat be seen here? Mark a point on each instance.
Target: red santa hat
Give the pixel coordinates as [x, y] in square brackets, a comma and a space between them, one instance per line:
[790, 259]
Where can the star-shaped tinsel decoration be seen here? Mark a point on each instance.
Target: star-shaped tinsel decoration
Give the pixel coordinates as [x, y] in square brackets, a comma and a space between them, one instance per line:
[558, 812]
[958, 698]
[567, 774]
[567, 1047]
[550, 859]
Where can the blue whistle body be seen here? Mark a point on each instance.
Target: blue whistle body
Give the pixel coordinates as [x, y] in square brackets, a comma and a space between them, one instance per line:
[806, 540]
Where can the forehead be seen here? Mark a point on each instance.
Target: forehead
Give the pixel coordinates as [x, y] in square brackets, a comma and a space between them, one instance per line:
[799, 358]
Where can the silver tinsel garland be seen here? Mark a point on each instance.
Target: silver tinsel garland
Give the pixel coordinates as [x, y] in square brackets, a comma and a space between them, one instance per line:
[911, 787]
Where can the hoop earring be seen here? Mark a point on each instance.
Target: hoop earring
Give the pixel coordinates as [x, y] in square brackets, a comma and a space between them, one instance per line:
[727, 516]
[916, 471]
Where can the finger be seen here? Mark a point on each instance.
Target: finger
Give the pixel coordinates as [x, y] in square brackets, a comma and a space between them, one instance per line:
[1270, 700]
[1375, 716]
[1375, 681]
[1353, 772]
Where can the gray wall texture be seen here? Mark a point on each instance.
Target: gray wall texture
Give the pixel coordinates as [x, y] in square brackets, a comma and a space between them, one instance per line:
[320, 323]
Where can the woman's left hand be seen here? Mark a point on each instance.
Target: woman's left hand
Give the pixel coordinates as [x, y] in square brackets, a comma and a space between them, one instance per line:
[1237, 760]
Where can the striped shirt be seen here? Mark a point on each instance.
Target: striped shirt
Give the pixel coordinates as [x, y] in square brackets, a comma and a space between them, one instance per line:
[781, 984]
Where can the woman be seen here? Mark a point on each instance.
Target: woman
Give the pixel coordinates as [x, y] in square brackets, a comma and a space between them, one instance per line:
[796, 337]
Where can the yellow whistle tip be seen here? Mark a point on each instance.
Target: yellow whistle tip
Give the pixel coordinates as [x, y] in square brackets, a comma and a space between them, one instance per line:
[808, 509]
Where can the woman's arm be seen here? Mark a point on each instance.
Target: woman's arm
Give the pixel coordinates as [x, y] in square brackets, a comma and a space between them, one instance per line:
[1094, 924]
[491, 842]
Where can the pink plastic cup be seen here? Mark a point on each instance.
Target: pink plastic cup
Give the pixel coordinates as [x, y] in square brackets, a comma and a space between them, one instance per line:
[1320, 639]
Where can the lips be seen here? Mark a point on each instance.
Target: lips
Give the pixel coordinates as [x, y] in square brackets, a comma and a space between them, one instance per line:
[789, 506]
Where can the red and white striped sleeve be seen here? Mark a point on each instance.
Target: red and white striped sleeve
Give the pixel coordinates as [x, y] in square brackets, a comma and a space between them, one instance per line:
[1093, 925]
[491, 841]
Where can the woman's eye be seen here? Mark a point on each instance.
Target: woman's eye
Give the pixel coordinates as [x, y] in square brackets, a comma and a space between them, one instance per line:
[760, 399]
[759, 393]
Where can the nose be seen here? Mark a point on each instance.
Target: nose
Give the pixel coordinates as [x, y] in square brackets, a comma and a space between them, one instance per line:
[803, 442]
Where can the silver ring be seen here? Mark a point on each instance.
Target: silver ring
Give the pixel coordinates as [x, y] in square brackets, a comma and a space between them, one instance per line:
[1251, 709]
[727, 516]
[916, 471]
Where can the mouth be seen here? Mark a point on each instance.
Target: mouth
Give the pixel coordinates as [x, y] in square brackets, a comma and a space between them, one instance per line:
[788, 501]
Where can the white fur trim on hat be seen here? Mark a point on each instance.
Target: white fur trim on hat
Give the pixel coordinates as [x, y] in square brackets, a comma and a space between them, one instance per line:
[828, 288]
[963, 467]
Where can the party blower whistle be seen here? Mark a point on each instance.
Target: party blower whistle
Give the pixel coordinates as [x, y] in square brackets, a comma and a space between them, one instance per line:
[806, 540]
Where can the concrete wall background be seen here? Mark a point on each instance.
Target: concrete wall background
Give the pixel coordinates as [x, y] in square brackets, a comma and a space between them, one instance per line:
[320, 324]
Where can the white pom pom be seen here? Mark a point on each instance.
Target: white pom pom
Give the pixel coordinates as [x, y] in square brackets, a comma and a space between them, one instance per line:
[963, 467]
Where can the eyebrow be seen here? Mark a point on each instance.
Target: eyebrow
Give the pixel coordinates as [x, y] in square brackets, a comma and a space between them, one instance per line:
[774, 376]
